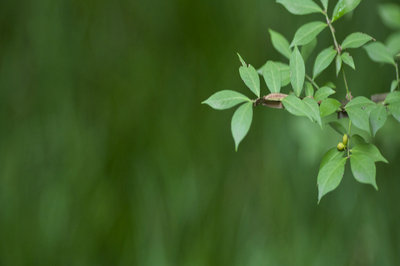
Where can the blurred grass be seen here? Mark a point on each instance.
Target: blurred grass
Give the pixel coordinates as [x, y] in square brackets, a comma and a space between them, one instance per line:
[108, 158]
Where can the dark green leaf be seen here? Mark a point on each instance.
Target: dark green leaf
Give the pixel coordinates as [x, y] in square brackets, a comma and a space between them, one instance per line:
[348, 60]
[378, 118]
[307, 49]
[358, 110]
[330, 155]
[241, 122]
[343, 7]
[356, 40]
[306, 33]
[226, 99]
[368, 149]
[329, 106]
[363, 168]
[280, 43]
[378, 52]
[339, 128]
[298, 71]
[324, 59]
[393, 102]
[323, 93]
[300, 7]
[330, 176]
[272, 77]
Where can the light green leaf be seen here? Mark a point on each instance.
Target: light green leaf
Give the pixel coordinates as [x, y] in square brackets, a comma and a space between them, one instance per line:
[313, 110]
[294, 106]
[390, 14]
[241, 122]
[330, 85]
[250, 77]
[368, 149]
[330, 155]
[225, 99]
[306, 33]
[298, 71]
[330, 176]
[393, 43]
[329, 106]
[241, 60]
[348, 60]
[272, 77]
[378, 52]
[358, 110]
[325, 4]
[393, 102]
[324, 59]
[300, 7]
[363, 168]
[307, 49]
[343, 7]
[323, 93]
[378, 118]
[338, 64]
[284, 69]
[356, 40]
[280, 43]
[309, 89]
[394, 85]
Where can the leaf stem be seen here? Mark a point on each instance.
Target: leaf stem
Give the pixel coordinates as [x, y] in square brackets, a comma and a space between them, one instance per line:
[312, 82]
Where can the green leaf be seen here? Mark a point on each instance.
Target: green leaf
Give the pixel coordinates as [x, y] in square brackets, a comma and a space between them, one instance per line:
[272, 77]
[378, 52]
[325, 4]
[226, 99]
[329, 106]
[330, 176]
[294, 106]
[339, 128]
[343, 7]
[394, 85]
[241, 122]
[390, 14]
[313, 110]
[324, 59]
[309, 89]
[338, 64]
[306, 33]
[330, 155]
[330, 85]
[323, 93]
[348, 60]
[358, 111]
[393, 43]
[241, 60]
[298, 71]
[368, 149]
[300, 7]
[393, 102]
[363, 168]
[378, 118]
[250, 77]
[307, 49]
[280, 43]
[356, 40]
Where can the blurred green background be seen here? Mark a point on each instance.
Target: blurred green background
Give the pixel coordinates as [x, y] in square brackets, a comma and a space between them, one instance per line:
[107, 156]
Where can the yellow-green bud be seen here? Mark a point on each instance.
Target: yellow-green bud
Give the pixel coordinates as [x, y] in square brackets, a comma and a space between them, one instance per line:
[340, 146]
[345, 139]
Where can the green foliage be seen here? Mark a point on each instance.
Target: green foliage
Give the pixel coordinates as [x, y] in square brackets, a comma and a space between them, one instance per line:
[365, 117]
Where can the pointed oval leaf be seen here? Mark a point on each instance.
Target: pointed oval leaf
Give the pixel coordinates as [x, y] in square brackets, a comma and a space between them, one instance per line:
[363, 169]
[348, 60]
[393, 102]
[324, 59]
[272, 77]
[338, 64]
[241, 122]
[298, 71]
[356, 40]
[323, 93]
[225, 99]
[294, 105]
[378, 118]
[307, 49]
[329, 106]
[330, 176]
[250, 77]
[368, 149]
[343, 7]
[306, 33]
[312, 110]
[325, 4]
[358, 110]
[330, 155]
[300, 7]
[280, 43]
[309, 89]
[378, 52]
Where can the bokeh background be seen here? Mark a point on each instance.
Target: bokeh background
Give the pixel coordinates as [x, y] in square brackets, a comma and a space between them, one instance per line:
[107, 156]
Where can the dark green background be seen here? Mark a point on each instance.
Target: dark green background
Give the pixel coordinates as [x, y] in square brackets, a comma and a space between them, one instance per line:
[107, 156]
